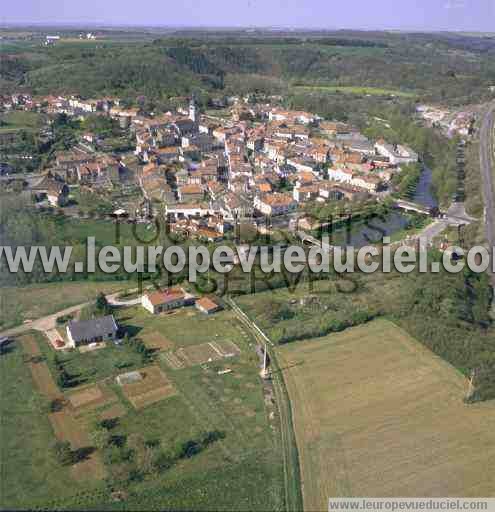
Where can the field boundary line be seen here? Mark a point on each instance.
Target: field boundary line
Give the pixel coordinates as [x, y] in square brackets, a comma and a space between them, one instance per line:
[292, 470]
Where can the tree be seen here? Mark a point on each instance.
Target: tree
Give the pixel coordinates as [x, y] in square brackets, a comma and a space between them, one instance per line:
[162, 461]
[56, 405]
[63, 379]
[109, 424]
[100, 437]
[102, 303]
[63, 453]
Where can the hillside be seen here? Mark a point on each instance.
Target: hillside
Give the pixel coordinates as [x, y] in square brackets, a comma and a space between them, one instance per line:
[159, 66]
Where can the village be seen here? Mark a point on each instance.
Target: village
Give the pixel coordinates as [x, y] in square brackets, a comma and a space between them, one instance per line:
[244, 258]
[248, 159]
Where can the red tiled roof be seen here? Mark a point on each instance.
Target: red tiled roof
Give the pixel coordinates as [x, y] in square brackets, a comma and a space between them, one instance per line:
[170, 295]
[207, 304]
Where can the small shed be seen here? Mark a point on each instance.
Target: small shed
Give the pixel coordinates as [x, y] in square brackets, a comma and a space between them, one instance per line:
[207, 305]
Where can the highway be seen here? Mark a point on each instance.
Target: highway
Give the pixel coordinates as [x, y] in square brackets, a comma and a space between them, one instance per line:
[487, 174]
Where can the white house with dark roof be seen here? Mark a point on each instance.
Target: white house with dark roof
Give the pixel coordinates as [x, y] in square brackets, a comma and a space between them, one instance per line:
[95, 330]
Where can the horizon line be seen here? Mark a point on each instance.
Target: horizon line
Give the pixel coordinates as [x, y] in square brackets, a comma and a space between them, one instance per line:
[110, 25]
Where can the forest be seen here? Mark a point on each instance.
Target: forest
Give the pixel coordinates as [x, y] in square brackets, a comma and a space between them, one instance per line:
[436, 67]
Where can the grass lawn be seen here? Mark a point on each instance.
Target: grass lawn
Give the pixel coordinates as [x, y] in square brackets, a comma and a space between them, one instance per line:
[377, 414]
[34, 301]
[96, 365]
[312, 307]
[184, 327]
[30, 474]
[231, 403]
[20, 120]
[105, 232]
[411, 230]
[372, 91]
[241, 471]
[246, 486]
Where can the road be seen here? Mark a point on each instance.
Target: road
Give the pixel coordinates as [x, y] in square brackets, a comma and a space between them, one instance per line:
[49, 322]
[456, 215]
[487, 173]
[42, 324]
[292, 477]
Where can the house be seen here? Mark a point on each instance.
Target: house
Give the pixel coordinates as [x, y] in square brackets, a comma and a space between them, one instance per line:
[208, 235]
[95, 330]
[278, 115]
[53, 189]
[207, 305]
[318, 154]
[342, 175]
[215, 189]
[333, 129]
[192, 152]
[208, 173]
[181, 176]
[275, 204]
[203, 142]
[367, 182]
[345, 157]
[167, 154]
[161, 301]
[396, 153]
[184, 126]
[335, 192]
[264, 187]
[236, 206]
[364, 147]
[57, 193]
[255, 142]
[88, 172]
[303, 117]
[303, 164]
[190, 193]
[305, 193]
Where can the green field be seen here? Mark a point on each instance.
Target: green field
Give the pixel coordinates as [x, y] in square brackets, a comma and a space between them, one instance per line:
[377, 414]
[30, 473]
[362, 91]
[19, 304]
[314, 308]
[20, 120]
[183, 328]
[94, 366]
[240, 471]
[104, 231]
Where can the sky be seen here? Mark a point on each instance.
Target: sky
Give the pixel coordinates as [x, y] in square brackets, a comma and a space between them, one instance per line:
[428, 15]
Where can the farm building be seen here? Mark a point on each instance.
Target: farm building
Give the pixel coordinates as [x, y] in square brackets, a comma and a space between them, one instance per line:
[91, 331]
[207, 306]
[161, 301]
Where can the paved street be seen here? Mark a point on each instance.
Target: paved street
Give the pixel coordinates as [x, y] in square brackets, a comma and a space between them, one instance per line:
[49, 322]
[487, 172]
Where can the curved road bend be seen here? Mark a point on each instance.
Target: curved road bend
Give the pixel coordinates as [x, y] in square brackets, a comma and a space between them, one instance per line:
[48, 322]
[487, 173]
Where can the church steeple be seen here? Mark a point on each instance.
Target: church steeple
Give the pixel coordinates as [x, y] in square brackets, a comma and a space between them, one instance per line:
[193, 110]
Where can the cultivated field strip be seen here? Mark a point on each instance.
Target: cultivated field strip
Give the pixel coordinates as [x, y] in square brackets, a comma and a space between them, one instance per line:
[377, 414]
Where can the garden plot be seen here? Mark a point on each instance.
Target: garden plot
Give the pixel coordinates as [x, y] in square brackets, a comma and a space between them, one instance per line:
[43, 380]
[91, 397]
[154, 340]
[201, 354]
[152, 387]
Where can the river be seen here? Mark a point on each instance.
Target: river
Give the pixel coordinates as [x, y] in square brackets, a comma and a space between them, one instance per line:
[374, 230]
